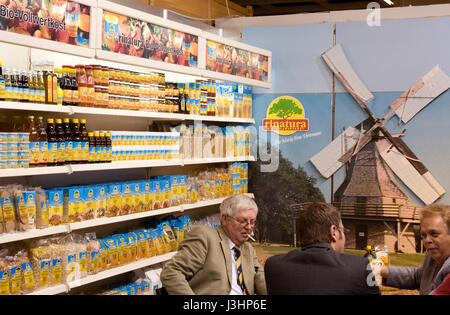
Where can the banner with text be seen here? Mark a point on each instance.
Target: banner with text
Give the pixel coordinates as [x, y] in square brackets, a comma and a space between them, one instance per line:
[57, 20]
[231, 60]
[129, 36]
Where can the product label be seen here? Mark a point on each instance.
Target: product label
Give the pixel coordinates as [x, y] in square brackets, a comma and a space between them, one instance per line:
[67, 152]
[44, 272]
[84, 150]
[16, 279]
[68, 95]
[92, 154]
[4, 283]
[43, 151]
[76, 150]
[83, 261]
[52, 153]
[28, 276]
[34, 152]
[44, 212]
[56, 270]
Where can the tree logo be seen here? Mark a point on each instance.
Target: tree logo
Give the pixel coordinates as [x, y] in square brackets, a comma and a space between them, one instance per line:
[285, 116]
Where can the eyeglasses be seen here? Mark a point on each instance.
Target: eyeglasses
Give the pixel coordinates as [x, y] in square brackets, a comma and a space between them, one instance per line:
[243, 221]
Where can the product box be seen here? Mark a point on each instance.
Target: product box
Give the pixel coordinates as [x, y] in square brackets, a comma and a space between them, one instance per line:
[55, 206]
[114, 201]
[166, 193]
[30, 204]
[90, 203]
[122, 247]
[101, 195]
[138, 196]
[127, 199]
[112, 251]
[157, 202]
[174, 193]
[73, 204]
[132, 246]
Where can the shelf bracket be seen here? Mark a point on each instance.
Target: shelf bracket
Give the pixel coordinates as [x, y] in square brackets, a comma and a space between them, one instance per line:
[69, 169]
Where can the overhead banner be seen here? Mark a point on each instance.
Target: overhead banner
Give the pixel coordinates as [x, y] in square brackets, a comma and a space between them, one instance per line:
[57, 20]
[231, 60]
[125, 35]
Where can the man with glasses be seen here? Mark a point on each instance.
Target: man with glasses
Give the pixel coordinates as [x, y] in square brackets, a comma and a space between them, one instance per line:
[320, 267]
[220, 260]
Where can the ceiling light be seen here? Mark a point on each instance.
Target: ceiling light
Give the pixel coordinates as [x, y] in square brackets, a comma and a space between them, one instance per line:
[389, 2]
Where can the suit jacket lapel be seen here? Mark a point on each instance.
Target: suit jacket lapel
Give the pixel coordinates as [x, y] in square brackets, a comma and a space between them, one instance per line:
[246, 264]
[226, 252]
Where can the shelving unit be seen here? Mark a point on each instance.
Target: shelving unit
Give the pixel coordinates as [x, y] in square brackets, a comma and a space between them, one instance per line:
[115, 117]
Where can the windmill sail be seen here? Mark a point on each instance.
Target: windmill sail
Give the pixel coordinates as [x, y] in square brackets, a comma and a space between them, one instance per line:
[327, 160]
[420, 94]
[415, 176]
[338, 63]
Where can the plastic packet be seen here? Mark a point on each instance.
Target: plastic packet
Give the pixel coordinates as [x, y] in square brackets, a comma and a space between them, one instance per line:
[40, 257]
[57, 253]
[7, 205]
[70, 266]
[41, 208]
[82, 254]
[4, 273]
[93, 251]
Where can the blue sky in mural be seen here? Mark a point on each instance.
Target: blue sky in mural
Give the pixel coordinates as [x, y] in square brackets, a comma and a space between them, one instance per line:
[426, 134]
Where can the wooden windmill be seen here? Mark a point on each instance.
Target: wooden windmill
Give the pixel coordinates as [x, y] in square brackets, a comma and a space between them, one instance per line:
[373, 155]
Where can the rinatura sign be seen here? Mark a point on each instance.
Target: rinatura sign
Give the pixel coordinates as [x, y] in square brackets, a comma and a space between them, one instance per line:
[285, 116]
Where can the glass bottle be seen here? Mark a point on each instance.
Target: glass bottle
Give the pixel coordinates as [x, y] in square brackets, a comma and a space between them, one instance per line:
[34, 142]
[52, 143]
[82, 85]
[66, 85]
[84, 142]
[108, 147]
[75, 95]
[91, 158]
[68, 141]
[98, 147]
[90, 83]
[76, 141]
[43, 142]
[2, 84]
[61, 141]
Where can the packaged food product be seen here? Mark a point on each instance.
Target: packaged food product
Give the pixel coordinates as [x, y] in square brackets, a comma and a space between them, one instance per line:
[90, 203]
[114, 201]
[157, 202]
[149, 195]
[56, 271]
[80, 244]
[7, 204]
[42, 214]
[70, 265]
[132, 246]
[101, 194]
[122, 248]
[112, 252]
[93, 253]
[127, 199]
[4, 273]
[168, 236]
[73, 204]
[138, 197]
[102, 256]
[55, 206]
[40, 257]
[143, 247]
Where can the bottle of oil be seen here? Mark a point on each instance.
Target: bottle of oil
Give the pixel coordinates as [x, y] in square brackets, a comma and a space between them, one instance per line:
[34, 142]
[75, 95]
[68, 141]
[61, 140]
[108, 147]
[8, 85]
[43, 142]
[48, 84]
[52, 143]
[15, 86]
[54, 85]
[103, 155]
[31, 89]
[98, 147]
[2, 84]
[76, 141]
[92, 156]
[66, 85]
[40, 86]
[84, 142]
[59, 90]
[25, 87]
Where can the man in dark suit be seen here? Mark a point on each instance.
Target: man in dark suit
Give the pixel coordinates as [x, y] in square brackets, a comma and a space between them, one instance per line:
[320, 267]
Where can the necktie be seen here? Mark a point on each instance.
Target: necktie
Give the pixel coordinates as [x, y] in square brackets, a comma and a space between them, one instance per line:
[238, 259]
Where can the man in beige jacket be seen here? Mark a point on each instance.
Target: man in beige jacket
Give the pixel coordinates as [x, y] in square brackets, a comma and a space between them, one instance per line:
[220, 260]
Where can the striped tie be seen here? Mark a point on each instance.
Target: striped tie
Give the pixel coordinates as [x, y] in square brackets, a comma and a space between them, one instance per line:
[238, 259]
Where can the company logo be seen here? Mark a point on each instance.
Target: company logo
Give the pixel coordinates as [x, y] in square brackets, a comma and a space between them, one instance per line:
[285, 116]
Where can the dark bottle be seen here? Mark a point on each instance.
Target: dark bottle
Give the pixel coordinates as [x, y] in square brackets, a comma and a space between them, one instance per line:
[75, 94]
[34, 142]
[84, 142]
[76, 141]
[103, 148]
[92, 154]
[66, 85]
[43, 142]
[18, 124]
[25, 87]
[98, 147]
[68, 141]
[52, 143]
[61, 139]
[108, 147]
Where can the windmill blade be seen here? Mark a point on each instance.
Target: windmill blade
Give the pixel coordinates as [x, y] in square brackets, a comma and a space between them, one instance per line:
[338, 63]
[420, 94]
[327, 160]
[411, 171]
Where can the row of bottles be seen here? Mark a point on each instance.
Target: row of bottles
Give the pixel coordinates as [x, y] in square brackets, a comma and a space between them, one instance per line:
[65, 141]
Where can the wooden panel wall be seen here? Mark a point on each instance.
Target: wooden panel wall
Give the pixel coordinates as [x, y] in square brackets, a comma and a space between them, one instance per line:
[207, 9]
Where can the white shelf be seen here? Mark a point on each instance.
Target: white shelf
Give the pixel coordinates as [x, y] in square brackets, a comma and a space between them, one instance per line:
[19, 236]
[69, 227]
[142, 263]
[73, 110]
[76, 168]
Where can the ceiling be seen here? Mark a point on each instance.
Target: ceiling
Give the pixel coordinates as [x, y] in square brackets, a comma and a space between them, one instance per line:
[280, 7]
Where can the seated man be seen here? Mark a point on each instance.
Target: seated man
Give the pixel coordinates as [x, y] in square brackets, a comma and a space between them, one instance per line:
[320, 267]
[435, 233]
[218, 260]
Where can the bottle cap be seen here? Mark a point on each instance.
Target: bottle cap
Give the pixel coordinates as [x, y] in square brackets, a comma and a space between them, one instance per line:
[58, 121]
[50, 120]
[83, 121]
